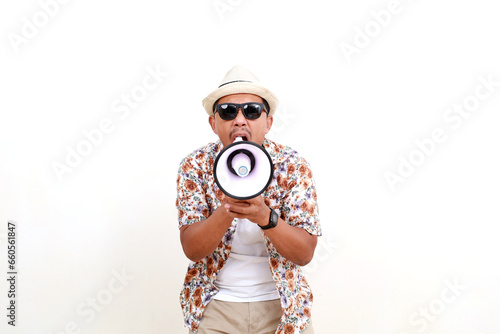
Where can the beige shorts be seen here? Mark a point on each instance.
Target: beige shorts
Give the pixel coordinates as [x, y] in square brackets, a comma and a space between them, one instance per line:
[242, 318]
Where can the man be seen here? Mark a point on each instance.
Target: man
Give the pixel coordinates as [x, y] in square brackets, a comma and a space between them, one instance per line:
[245, 274]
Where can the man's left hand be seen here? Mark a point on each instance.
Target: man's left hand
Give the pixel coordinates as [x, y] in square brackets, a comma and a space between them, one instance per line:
[253, 209]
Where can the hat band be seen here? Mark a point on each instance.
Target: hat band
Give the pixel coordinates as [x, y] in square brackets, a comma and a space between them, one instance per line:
[232, 82]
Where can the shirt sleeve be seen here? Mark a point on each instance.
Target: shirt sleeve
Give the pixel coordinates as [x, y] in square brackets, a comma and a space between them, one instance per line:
[191, 200]
[300, 205]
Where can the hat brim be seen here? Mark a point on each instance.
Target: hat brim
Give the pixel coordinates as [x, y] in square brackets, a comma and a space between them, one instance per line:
[239, 88]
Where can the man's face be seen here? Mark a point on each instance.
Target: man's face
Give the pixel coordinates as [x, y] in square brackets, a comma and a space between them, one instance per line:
[253, 129]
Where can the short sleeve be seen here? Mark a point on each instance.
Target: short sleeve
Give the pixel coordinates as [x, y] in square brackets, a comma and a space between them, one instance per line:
[191, 200]
[300, 207]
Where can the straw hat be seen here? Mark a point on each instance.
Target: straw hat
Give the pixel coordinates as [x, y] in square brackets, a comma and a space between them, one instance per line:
[240, 80]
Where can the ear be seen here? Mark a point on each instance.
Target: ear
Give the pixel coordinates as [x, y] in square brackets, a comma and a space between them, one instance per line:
[269, 123]
[211, 120]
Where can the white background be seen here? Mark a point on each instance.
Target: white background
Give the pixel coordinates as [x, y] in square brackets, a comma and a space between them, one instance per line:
[387, 257]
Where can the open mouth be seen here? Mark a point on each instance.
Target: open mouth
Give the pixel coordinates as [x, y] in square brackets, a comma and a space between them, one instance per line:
[243, 137]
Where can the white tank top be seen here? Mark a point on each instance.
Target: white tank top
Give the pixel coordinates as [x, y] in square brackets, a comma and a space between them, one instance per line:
[246, 276]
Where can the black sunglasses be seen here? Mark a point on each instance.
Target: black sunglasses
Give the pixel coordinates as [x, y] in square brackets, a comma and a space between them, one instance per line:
[229, 111]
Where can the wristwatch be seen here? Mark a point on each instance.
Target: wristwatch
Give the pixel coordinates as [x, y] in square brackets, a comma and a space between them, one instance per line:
[273, 220]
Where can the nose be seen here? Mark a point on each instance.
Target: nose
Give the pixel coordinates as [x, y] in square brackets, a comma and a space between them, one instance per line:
[240, 119]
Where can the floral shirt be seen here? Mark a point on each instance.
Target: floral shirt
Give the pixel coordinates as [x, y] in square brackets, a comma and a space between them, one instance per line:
[291, 193]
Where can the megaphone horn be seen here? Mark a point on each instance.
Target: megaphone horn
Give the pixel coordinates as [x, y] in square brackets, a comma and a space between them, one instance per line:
[243, 170]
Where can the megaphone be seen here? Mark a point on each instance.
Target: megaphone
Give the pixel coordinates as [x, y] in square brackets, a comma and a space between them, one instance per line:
[243, 170]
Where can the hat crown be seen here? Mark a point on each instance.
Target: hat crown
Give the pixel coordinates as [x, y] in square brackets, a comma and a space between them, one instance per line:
[238, 73]
[239, 80]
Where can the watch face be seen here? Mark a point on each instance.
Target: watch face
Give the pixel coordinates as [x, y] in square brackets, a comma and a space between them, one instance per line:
[274, 217]
[273, 220]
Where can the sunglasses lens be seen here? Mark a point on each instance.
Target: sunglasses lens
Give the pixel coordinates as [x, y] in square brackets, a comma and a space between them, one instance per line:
[252, 110]
[227, 111]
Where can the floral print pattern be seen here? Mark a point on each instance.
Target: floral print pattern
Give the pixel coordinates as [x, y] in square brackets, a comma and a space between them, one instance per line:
[292, 193]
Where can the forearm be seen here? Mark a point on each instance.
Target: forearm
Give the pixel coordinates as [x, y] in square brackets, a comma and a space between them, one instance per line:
[201, 238]
[293, 243]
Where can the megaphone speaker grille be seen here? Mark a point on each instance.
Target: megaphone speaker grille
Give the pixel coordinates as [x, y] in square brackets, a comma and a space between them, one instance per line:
[240, 162]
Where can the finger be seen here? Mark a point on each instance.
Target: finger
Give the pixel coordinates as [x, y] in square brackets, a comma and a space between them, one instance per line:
[237, 201]
[240, 207]
[235, 208]
[242, 211]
